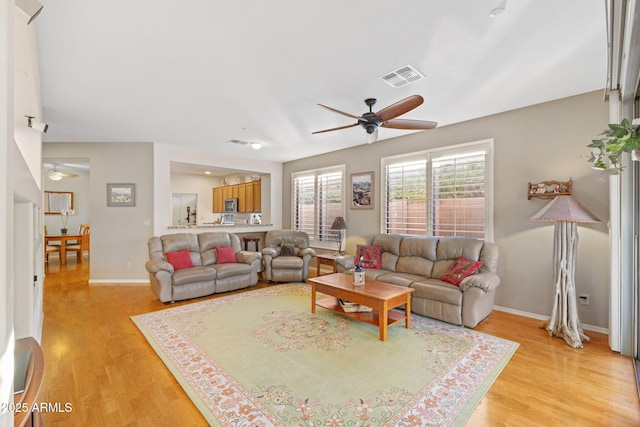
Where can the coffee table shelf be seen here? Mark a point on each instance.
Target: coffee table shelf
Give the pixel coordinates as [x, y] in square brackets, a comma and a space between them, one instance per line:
[370, 317]
[381, 297]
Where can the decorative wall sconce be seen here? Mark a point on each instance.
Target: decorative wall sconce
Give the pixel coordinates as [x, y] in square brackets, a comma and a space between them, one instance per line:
[42, 127]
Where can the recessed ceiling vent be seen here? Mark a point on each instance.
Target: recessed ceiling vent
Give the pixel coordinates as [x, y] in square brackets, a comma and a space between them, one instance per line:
[402, 76]
[237, 141]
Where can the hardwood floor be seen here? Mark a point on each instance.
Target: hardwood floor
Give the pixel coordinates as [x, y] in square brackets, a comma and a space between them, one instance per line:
[97, 360]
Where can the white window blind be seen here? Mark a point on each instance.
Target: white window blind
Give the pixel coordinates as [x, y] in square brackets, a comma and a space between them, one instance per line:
[440, 192]
[406, 197]
[458, 195]
[317, 201]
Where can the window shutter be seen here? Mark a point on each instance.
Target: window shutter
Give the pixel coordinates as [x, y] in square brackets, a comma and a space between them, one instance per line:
[406, 197]
[329, 205]
[458, 195]
[317, 201]
[304, 204]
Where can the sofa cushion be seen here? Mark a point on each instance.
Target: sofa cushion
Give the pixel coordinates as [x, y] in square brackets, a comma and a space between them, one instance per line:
[368, 256]
[180, 259]
[287, 262]
[224, 271]
[461, 269]
[389, 242]
[437, 290]
[400, 279]
[194, 275]
[225, 255]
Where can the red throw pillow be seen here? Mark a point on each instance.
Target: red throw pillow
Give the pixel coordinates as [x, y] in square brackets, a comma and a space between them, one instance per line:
[368, 256]
[225, 255]
[180, 260]
[460, 269]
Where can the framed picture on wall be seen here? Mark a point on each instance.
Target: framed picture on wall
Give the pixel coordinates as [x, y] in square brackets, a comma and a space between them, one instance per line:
[362, 190]
[121, 195]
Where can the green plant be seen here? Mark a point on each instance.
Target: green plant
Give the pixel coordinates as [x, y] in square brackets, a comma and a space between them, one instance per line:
[607, 151]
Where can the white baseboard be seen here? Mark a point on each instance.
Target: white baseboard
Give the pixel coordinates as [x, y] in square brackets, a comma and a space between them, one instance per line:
[586, 327]
[130, 282]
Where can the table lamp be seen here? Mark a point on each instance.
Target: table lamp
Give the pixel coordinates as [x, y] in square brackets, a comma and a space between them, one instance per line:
[340, 225]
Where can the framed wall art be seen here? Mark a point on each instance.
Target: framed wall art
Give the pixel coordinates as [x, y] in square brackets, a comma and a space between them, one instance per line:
[121, 195]
[362, 190]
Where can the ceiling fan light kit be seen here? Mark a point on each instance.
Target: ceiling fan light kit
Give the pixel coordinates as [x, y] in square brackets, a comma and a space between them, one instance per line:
[56, 175]
[386, 117]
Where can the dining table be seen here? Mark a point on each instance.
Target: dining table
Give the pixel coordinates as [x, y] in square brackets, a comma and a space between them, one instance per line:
[63, 239]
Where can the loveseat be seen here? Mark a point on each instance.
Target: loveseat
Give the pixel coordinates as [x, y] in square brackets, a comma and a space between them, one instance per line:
[201, 264]
[422, 262]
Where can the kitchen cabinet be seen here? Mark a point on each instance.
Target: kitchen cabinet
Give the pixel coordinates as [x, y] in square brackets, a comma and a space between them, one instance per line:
[248, 195]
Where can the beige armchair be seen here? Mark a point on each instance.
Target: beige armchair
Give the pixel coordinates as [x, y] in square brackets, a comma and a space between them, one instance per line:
[286, 256]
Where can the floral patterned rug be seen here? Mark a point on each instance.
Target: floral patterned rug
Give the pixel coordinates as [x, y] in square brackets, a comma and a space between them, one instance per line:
[261, 358]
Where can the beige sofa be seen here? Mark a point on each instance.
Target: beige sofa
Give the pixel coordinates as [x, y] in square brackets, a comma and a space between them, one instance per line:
[207, 276]
[420, 263]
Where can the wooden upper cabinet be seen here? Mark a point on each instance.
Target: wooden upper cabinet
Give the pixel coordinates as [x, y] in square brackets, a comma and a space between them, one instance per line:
[242, 197]
[248, 195]
[257, 196]
[218, 200]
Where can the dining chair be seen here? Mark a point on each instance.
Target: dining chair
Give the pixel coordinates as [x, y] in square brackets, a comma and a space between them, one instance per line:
[51, 243]
[80, 231]
[83, 246]
[51, 249]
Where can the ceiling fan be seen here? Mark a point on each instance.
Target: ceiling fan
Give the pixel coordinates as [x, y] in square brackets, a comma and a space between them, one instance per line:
[386, 117]
[55, 175]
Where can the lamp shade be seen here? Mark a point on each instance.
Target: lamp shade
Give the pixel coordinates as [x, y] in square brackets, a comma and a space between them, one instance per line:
[565, 209]
[339, 224]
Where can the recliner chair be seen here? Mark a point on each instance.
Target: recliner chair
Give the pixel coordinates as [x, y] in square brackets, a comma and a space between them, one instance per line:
[286, 256]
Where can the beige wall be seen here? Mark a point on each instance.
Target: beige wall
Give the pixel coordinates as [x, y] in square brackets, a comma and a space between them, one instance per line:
[543, 142]
[118, 234]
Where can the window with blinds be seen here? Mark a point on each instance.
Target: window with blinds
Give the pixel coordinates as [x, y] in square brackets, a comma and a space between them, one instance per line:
[440, 192]
[458, 184]
[317, 201]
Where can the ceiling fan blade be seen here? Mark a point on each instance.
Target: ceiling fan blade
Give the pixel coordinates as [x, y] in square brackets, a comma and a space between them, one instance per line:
[399, 108]
[372, 137]
[332, 129]
[341, 112]
[409, 124]
[69, 175]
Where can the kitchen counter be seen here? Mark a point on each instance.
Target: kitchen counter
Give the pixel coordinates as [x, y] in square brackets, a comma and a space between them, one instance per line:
[236, 228]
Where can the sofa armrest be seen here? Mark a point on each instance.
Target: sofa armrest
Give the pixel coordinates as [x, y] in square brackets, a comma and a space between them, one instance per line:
[270, 251]
[485, 280]
[345, 262]
[306, 253]
[247, 257]
[154, 265]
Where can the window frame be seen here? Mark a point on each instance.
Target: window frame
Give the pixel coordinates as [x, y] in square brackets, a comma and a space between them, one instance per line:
[486, 145]
[316, 239]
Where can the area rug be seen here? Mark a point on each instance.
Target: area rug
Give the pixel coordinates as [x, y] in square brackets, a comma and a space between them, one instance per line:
[260, 358]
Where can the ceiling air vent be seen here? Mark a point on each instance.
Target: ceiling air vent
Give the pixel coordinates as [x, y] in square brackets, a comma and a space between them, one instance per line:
[237, 141]
[402, 76]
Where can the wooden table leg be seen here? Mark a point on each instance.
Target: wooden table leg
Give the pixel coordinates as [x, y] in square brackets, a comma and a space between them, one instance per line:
[63, 252]
[383, 315]
[407, 311]
[313, 297]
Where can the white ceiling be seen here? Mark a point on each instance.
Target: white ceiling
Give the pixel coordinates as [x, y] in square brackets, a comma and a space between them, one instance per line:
[199, 73]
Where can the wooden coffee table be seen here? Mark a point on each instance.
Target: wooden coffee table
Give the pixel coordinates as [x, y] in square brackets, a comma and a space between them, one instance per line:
[382, 297]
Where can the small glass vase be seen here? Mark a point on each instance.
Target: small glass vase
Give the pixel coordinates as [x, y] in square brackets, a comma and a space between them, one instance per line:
[63, 230]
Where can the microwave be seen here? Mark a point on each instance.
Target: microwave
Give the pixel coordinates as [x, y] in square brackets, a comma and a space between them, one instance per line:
[231, 205]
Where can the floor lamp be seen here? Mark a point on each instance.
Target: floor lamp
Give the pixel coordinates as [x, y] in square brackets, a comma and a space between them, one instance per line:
[340, 225]
[566, 212]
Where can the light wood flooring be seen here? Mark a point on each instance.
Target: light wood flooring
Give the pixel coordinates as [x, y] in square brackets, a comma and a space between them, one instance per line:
[97, 360]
